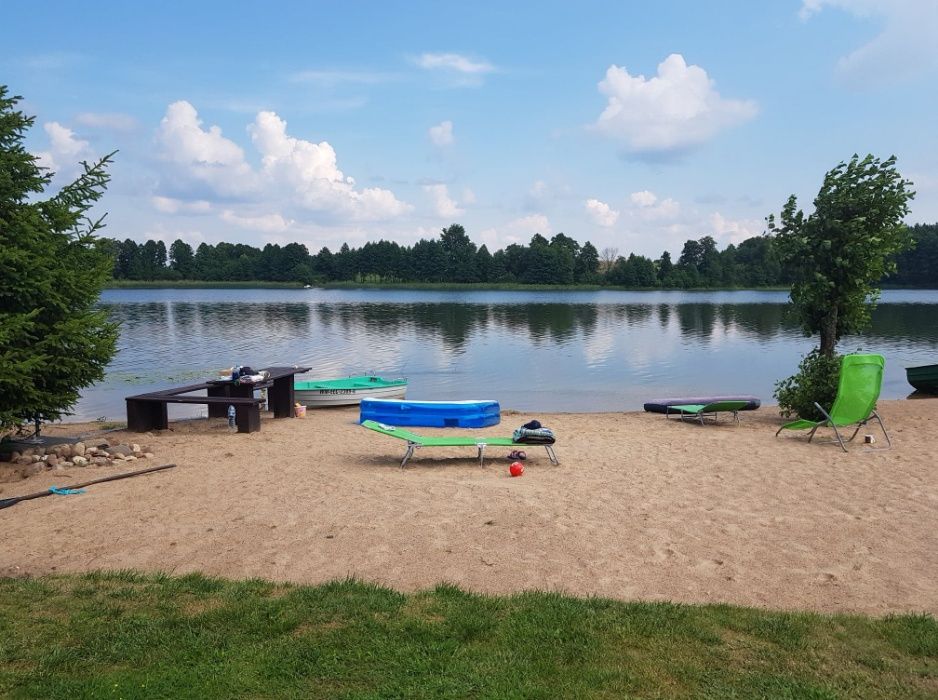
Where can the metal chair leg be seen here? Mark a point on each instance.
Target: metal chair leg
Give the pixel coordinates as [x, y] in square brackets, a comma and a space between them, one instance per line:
[839, 438]
[551, 455]
[481, 447]
[411, 446]
[883, 427]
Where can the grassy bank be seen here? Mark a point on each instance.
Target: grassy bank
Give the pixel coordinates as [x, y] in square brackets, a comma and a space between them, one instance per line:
[124, 635]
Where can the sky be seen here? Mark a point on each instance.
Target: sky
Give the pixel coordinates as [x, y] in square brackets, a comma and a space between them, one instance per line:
[633, 125]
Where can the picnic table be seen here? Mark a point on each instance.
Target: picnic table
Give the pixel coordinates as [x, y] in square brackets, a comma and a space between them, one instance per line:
[149, 411]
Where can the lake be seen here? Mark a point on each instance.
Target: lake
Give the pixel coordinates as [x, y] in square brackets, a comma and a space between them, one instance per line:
[532, 351]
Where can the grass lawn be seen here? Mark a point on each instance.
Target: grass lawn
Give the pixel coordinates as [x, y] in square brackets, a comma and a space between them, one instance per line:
[128, 635]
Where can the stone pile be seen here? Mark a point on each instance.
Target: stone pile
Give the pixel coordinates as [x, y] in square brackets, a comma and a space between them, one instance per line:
[79, 454]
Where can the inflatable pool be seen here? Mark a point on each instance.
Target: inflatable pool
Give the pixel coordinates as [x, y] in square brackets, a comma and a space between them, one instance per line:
[434, 414]
[661, 405]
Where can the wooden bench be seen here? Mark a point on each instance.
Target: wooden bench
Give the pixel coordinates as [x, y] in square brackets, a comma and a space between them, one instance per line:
[149, 411]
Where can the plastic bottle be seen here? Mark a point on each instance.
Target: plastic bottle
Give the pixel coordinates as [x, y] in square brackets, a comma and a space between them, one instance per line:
[232, 426]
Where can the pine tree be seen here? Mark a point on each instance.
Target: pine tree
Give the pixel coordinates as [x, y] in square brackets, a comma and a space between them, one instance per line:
[53, 339]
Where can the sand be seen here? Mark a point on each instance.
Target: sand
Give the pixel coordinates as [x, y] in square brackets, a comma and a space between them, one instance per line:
[639, 508]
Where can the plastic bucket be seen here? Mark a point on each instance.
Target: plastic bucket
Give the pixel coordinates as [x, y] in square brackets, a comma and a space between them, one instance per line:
[300, 411]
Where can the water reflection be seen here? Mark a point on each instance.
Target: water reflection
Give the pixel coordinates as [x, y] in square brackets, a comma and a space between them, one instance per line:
[592, 351]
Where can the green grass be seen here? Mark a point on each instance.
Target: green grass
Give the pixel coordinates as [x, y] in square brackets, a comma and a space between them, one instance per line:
[127, 635]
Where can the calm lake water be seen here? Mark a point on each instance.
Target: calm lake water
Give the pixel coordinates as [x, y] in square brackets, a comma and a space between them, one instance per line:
[533, 351]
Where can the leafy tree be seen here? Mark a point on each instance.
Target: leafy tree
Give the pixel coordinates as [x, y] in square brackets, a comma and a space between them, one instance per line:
[840, 252]
[181, 258]
[460, 255]
[586, 267]
[53, 341]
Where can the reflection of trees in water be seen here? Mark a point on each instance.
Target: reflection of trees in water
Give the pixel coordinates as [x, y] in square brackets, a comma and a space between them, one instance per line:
[762, 321]
[554, 322]
[917, 322]
[132, 317]
[696, 320]
[454, 324]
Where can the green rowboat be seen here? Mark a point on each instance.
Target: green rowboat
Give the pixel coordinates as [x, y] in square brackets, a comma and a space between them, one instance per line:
[347, 391]
[925, 378]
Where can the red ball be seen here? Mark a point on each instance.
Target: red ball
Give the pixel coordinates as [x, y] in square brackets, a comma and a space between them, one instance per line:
[516, 469]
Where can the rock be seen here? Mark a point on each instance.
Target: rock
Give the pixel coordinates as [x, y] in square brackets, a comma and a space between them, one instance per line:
[100, 461]
[78, 449]
[36, 458]
[28, 470]
[24, 459]
[122, 450]
[28, 452]
[15, 456]
[79, 461]
[52, 460]
[65, 451]
[147, 455]
[130, 458]
[135, 448]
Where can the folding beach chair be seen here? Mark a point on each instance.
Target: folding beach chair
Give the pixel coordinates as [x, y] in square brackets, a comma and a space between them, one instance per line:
[861, 378]
[415, 441]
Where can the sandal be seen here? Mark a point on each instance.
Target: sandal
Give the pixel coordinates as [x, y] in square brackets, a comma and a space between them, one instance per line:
[517, 454]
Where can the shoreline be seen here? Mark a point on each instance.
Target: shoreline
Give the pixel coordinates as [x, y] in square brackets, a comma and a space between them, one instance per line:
[444, 286]
[640, 508]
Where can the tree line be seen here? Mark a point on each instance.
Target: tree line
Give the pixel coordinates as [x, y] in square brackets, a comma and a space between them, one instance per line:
[455, 258]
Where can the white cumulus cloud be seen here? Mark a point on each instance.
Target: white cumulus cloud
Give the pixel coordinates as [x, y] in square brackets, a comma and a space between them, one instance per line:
[441, 134]
[643, 198]
[601, 213]
[65, 151]
[311, 171]
[445, 205]
[677, 109]
[204, 155]
[734, 230]
[294, 173]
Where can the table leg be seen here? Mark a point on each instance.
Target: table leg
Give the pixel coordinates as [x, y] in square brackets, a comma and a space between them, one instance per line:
[280, 397]
[146, 415]
[248, 418]
[218, 410]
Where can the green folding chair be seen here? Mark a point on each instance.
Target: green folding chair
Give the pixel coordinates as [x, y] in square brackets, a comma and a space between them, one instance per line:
[700, 411]
[861, 378]
[415, 441]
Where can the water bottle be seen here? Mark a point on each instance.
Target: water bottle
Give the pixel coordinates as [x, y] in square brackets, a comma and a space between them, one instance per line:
[231, 419]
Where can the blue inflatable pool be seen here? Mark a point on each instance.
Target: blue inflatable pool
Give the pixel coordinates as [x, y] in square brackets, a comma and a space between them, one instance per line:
[434, 414]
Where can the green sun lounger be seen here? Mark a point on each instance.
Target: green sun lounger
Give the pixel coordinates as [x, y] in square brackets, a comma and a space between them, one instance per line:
[861, 378]
[699, 411]
[480, 443]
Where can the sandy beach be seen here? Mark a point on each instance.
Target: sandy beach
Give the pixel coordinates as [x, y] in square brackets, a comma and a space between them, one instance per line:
[639, 508]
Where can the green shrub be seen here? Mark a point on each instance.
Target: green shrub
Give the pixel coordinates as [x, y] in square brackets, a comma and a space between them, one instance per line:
[816, 380]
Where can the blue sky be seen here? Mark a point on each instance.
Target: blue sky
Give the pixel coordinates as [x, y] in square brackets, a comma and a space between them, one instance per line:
[633, 125]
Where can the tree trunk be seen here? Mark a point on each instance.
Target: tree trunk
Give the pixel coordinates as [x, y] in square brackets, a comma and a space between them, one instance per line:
[829, 333]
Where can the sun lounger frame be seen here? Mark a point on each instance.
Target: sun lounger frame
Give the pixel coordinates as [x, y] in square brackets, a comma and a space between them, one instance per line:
[700, 411]
[415, 442]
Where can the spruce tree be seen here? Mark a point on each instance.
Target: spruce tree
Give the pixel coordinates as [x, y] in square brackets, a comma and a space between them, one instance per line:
[54, 341]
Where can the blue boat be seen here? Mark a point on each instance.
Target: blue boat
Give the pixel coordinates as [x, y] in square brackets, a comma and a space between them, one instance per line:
[433, 414]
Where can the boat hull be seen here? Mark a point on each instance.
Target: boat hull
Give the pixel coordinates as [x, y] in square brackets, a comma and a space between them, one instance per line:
[924, 379]
[346, 392]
